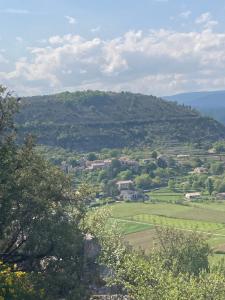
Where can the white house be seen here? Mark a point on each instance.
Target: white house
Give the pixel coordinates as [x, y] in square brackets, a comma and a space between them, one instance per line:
[131, 195]
[125, 161]
[191, 196]
[124, 184]
[200, 170]
[97, 166]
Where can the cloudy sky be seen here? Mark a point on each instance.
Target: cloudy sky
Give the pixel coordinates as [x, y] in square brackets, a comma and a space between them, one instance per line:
[158, 47]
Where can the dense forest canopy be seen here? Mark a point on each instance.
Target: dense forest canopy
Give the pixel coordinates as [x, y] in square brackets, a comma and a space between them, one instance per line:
[93, 120]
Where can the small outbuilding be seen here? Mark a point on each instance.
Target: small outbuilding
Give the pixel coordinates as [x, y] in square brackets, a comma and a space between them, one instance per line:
[192, 196]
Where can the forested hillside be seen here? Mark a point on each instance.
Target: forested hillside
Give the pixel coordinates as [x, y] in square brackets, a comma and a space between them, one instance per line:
[94, 120]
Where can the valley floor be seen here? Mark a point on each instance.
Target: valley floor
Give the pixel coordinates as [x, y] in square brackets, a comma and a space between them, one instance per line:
[138, 221]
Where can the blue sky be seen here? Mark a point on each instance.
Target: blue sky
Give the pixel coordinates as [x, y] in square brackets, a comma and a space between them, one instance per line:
[156, 47]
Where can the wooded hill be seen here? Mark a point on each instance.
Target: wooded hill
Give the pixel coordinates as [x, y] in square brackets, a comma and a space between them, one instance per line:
[91, 120]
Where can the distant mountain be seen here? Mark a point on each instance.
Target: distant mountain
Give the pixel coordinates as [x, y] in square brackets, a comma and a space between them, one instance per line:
[94, 120]
[209, 103]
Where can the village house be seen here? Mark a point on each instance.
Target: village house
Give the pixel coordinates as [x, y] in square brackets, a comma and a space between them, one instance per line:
[88, 163]
[212, 151]
[200, 170]
[125, 161]
[98, 164]
[124, 184]
[192, 196]
[130, 195]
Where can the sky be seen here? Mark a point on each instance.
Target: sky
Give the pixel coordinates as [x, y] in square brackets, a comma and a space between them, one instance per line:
[158, 47]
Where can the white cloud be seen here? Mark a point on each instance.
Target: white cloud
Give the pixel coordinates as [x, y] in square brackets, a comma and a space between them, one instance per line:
[68, 38]
[15, 11]
[19, 39]
[95, 29]
[206, 20]
[71, 20]
[42, 41]
[203, 18]
[3, 60]
[185, 14]
[157, 62]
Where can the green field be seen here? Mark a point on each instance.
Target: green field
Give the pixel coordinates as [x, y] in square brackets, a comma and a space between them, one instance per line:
[127, 226]
[138, 220]
[165, 195]
[178, 223]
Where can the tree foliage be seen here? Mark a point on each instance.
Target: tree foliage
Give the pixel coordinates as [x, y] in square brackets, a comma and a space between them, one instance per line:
[183, 252]
[40, 217]
[176, 269]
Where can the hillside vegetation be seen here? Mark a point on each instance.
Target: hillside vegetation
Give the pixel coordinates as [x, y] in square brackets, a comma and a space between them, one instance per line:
[90, 120]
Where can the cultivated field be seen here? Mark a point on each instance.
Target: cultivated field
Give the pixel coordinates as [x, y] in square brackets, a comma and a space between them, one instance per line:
[138, 220]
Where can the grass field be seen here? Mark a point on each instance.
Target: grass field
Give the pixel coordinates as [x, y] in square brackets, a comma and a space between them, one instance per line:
[128, 227]
[137, 221]
[178, 223]
[165, 195]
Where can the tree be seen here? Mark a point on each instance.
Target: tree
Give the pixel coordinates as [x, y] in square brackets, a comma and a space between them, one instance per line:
[125, 175]
[183, 252]
[114, 168]
[114, 153]
[8, 107]
[186, 186]
[217, 168]
[209, 185]
[154, 154]
[115, 164]
[102, 175]
[171, 184]
[221, 187]
[176, 269]
[161, 163]
[145, 278]
[148, 276]
[150, 167]
[91, 156]
[110, 188]
[40, 216]
[195, 185]
[219, 147]
[143, 181]
[16, 285]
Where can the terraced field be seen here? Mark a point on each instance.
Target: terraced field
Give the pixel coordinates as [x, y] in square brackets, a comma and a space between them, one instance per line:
[178, 223]
[138, 220]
